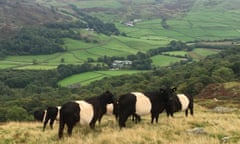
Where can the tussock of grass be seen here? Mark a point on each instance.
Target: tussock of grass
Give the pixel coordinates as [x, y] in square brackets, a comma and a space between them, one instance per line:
[217, 129]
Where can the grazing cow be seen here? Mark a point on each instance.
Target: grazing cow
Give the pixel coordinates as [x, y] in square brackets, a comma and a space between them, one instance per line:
[52, 114]
[87, 112]
[179, 102]
[39, 115]
[137, 103]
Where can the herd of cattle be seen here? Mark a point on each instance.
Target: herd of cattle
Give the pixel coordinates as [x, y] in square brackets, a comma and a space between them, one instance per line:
[135, 104]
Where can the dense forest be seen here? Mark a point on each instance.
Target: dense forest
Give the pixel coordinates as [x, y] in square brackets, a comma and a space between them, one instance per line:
[23, 91]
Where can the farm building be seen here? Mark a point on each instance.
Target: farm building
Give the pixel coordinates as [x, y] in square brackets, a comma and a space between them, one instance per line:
[121, 63]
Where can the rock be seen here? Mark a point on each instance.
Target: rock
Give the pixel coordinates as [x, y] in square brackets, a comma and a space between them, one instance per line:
[223, 109]
[225, 139]
[197, 130]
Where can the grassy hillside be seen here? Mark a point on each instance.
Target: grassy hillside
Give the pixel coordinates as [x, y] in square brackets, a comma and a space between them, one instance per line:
[212, 128]
[15, 14]
[196, 25]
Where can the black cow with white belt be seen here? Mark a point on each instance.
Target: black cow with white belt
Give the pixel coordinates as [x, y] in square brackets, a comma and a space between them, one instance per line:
[86, 112]
[142, 103]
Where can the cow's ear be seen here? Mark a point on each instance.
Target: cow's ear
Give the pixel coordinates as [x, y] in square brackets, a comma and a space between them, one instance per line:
[174, 89]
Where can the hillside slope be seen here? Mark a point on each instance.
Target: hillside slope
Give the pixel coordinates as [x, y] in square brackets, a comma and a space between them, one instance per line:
[229, 90]
[15, 14]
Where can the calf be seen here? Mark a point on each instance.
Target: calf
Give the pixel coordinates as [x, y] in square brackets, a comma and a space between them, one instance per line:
[52, 114]
[137, 103]
[86, 112]
[179, 102]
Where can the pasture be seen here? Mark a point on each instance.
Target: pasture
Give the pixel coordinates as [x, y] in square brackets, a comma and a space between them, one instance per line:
[88, 77]
[162, 60]
[206, 127]
[200, 23]
[205, 52]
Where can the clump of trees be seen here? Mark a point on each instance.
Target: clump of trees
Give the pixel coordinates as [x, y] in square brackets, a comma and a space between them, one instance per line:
[33, 41]
[164, 23]
[95, 23]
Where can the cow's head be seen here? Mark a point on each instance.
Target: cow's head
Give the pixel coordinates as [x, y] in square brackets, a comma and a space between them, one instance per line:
[107, 97]
[168, 93]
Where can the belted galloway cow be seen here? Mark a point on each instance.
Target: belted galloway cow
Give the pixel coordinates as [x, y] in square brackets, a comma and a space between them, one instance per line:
[139, 103]
[86, 112]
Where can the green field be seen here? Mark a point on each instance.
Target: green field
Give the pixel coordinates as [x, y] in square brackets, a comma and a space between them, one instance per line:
[205, 52]
[161, 60]
[88, 77]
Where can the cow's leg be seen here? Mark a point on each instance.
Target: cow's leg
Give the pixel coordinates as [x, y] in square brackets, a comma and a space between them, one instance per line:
[152, 118]
[191, 105]
[138, 118]
[45, 123]
[51, 123]
[191, 111]
[186, 112]
[154, 115]
[70, 128]
[157, 116]
[133, 118]
[168, 114]
[122, 120]
[92, 125]
[61, 128]
[100, 118]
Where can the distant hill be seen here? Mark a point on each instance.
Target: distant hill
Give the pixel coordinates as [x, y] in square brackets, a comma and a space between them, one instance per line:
[17, 13]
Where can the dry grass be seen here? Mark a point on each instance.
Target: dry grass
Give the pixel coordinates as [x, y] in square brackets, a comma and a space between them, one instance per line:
[217, 127]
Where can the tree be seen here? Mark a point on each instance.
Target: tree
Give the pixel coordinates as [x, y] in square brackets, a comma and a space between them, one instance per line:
[236, 68]
[223, 74]
[164, 23]
[34, 62]
[62, 60]
[17, 113]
